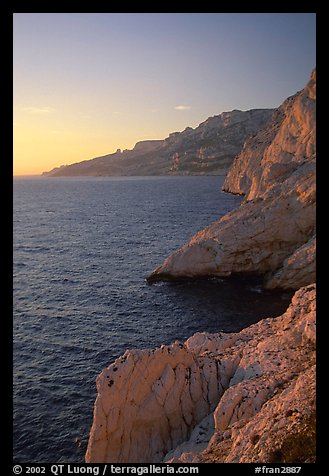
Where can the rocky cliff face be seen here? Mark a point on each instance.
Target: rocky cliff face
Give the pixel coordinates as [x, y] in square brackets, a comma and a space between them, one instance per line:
[278, 150]
[208, 149]
[273, 232]
[242, 397]
[211, 147]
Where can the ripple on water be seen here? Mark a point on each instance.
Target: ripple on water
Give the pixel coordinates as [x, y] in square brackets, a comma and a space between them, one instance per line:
[82, 250]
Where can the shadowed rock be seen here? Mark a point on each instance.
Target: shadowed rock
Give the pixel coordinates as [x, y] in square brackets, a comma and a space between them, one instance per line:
[208, 149]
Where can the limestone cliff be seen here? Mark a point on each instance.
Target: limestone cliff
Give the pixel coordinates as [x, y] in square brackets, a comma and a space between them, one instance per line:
[242, 397]
[278, 150]
[208, 149]
[272, 233]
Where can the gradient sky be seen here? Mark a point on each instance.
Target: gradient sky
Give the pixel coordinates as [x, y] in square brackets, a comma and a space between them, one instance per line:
[86, 84]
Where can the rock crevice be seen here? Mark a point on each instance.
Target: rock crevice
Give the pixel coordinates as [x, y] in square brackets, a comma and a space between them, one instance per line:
[153, 399]
[172, 402]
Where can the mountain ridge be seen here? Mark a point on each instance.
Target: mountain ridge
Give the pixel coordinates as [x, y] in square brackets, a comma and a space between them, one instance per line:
[208, 149]
[274, 227]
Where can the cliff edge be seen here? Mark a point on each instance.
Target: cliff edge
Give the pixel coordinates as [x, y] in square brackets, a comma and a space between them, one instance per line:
[272, 233]
[237, 397]
[240, 397]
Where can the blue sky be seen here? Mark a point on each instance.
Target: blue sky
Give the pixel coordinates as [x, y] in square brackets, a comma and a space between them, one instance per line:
[86, 84]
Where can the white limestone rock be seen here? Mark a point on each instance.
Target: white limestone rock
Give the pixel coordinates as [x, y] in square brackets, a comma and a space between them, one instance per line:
[167, 402]
[297, 270]
[198, 442]
[285, 143]
[276, 170]
[148, 403]
[268, 409]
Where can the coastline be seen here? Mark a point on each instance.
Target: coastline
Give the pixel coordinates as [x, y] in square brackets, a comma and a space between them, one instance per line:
[235, 397]
[252, 393]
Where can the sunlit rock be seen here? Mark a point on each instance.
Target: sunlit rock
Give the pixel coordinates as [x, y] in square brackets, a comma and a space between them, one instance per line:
[276, 171]
[180, 402]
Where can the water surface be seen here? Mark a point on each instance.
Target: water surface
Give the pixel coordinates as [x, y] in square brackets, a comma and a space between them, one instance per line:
[82, 250]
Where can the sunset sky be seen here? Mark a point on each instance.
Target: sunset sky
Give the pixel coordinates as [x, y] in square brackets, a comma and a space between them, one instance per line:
[86, 84]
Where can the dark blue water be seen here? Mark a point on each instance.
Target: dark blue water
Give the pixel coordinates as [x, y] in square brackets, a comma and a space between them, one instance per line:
[82, 250]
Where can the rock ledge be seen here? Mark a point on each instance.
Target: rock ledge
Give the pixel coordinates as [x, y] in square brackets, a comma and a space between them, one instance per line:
[216, 397]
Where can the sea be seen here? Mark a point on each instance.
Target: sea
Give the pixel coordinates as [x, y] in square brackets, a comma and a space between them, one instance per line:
[82, 250]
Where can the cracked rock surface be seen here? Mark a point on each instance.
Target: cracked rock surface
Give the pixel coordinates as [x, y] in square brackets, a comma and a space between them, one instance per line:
[215, 397]
[267, 414]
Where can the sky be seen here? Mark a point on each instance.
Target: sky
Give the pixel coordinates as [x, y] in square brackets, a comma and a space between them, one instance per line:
[86, 84]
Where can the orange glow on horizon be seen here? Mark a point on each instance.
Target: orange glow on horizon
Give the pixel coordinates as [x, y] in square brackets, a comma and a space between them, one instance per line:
[38, 149]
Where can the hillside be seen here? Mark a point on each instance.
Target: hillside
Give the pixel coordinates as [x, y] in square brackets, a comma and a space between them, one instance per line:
[208, 149]
[273, 230]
